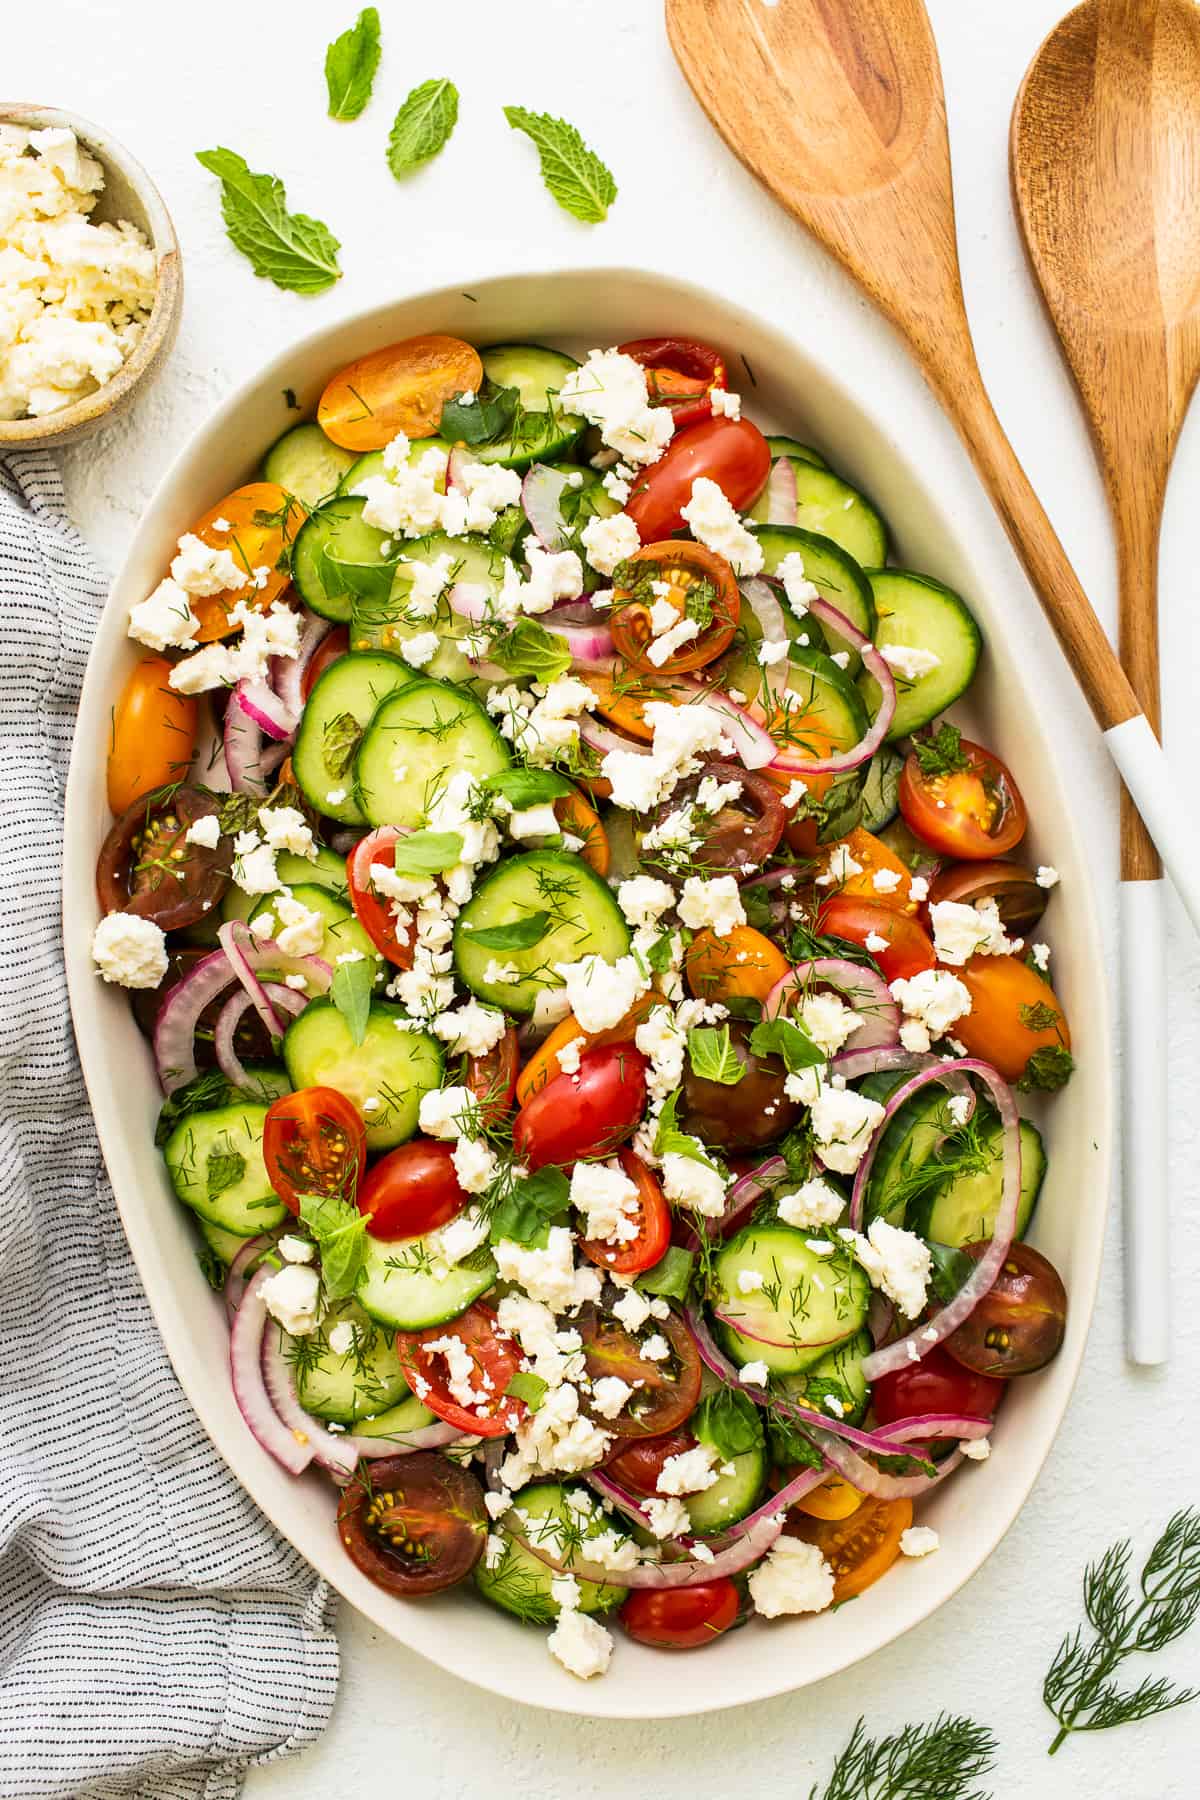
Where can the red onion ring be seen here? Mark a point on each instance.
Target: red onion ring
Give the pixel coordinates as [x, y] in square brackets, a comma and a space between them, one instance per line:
[247, 761]
[288, 672]
[236, 1275]
[759, 1532]
[266, 710]
[781, 493]
[870, 1480]
[178, 1016]
[541, 492]
[235, 945]
[881, 1016]
[290, 1446]
[591, 646]
[895, 1101]
[247, 954]
[760, 598]
[229, 1018]
[744, 1195]
[789, 762]
[457, 461]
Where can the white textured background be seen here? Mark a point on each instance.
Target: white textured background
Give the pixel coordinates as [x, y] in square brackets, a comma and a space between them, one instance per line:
[169, 80]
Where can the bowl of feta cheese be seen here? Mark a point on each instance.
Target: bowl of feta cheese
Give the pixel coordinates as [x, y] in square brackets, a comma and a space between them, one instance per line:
[91, 285]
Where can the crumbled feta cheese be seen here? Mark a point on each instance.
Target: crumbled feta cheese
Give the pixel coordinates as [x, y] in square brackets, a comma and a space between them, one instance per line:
[165, 620]
[609, 1394]
[548, 1274]
[644, 900]
[908, 662]
[725, 403]
[341, 1338]
[303, 930]
[662, 648]
[772, 651]
[919, 1540]
[446, 1112]
[897, 1261]
[471, 1029]
[800, 591]
[828, 1021]
[610, 391]
[754, 1374]
[750, 1281]
[715, 904]
[264, 635]
[715, 523]
[475, 1164]
[609, 541]
[793, 1578]
[933, 1000]
[461, 1369]
[918, 889]
[886, 881]
[840, 867]
[254, 864]
[688, 1472]
[202, 570]
[608, 1200]
[1047, 876]
[420, 648]
[875, 942]
[668, 1517]
[129, 950]
[959, 1109]
[976, 1449]
[581, 1644]
[1041, 957]
[553, 575]
[633, 1308]
[695, 1184]
[291, 1296]
[961, 931]
[843, 1122]
[295, 1249]
[286, 828]
[601, 993]
[206, 832]
[813, 1204]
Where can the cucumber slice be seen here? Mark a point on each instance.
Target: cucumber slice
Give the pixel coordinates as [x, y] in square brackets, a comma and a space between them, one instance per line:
[839, 1374]
[806, 1305]
[791, 447]
[384, 623]
[371, 463]
[831, 507]
[400, 1289]
[336, 556]
[519, 1583]
[346, 1386]
[223, 1244]
[542, 431]
[326, 870]
[306, 463]
[829, 699]
[417, 737]
[408, 1415]
[835, 575]
[343, 701]
[581, 919]
[731, 1496]
[385, 1076]
[342, 930]
[909, 1142]
[881, 790]
[964, 1210]
[216, 1166]
[920, 613]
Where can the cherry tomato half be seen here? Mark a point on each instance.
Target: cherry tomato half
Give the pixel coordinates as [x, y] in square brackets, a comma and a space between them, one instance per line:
[701, 587]
[859, 1548]
[544, 1065]
[585, 1114]
[637, 1463]
[413, 1524]
[495, 1360]
[742, 965]
[146, 866]
[402, 387]
[314, 1142]
[973, 810]
[1016, 1021]
[412, 1190]
[732, 452]
[336, 643]
[936, 1384]
[256, 524]
[680, 373]
[1019, 900]
[665, 1392]
[374, 911]
[493, 1078]
[152, 738]
[908, 947]
[1020, 1323]
[653, 1221]
[740, 835]
[746, 1116]
[681, 1618]
[873, 858]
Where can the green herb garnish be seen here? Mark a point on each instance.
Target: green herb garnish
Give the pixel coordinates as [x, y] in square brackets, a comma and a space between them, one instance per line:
[712, 1055]
[294, 251]
[350, 64]
[422, 126]
[519, 934]
[427, 852]
[350, 992]
[573, 174]
[340, 1231]
[941, 753]
[921, 1762]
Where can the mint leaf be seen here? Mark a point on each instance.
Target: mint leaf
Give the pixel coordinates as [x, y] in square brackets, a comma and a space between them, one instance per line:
[487, 419]
[427, 852]
[292, 250]
[1047, 1070]
[941, 753]
[712, 1056]
[422, 126]
[505, 529]
[350, 64]
[351, 994]
[669, 1139]
[224, 1168]
[521, 934]
[528, 1387]
[340, 1231]
[530, 1207]
[529, 649]
[780, 1037]
[671, 1277]
[950, 1269]
[730, 1422]
[573, 174]
[528, 787]
[339, 745]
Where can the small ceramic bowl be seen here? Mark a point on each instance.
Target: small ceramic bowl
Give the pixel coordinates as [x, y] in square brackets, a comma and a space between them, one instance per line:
[129, 194]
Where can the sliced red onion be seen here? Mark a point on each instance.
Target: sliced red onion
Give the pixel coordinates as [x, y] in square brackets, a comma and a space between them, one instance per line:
[344, 841]
[288, 672]
[178, 1016]
[905, 1092]
[756, 1537]
[936, 1425]
[863, 988]
[289, 1444]
[920, 1341]
[852, 1065]
[781, 493]
[756, 1337]
[238, 1272]
[590, 643]
[249, 954]
[236, 945]
[281, 999]
[243, 745]
[266, 710]
[760, 597]
[869, 1480]
[744, 1195]
[541, 492]
[882, 1318]
[470, 601]
[604, 738]
[790, 761]
[458, 460]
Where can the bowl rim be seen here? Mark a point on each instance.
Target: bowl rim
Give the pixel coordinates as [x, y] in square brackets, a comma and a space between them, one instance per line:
[161, 326]
[686, 1699]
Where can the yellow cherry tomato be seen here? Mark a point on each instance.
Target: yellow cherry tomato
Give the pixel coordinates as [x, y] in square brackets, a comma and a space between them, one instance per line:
[152, 736]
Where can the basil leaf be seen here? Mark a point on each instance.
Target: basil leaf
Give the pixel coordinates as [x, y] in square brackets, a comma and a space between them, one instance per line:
[427, 852]
[224, 1168]
[422, 126]
[712, 1056]
[350, 64]
[906, 1465]
[521, 934]
[528, 1387]
[781, 1037]
[339, 742]
[573, 174]
[506, 529]
[730, 1422]
[529, 1207]
[362, 581]
[668, 1139]
[950, 1268]
[671, 1277]
[294, 251]
[340, 1231]
[759, 910]
[350, 992]
[528, 787]
[658, 956]
[529, 649]
[487, 419]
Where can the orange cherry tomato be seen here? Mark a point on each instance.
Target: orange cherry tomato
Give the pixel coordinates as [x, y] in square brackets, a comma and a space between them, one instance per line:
[544, 1065]
[700, 585]
[971, 808]
[152, 735]
[834, 1499]
[314, 1142]
[256, 524]
[874, 858]
[402, 387]
[653, 1221]
[742, 965]
[732, 452]
[576, 816]
[907, 946]
[1015, 1014]
[860, 1548]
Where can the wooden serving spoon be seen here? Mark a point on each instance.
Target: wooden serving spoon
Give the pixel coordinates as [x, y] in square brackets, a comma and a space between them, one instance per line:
[1106, 182]
[837, 107]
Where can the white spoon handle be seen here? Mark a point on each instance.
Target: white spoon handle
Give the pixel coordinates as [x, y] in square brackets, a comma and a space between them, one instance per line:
[1167, 816]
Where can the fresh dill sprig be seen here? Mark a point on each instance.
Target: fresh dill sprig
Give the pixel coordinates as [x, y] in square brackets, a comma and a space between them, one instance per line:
[1080, 1688]
[922, 1762]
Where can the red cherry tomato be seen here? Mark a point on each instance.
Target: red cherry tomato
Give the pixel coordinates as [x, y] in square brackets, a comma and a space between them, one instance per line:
[374, 911]
[686, 570]
[681, 1618]
[653, 1225]
[412, 1190]
[666, 1389]
[586, 1114]
[495, 1361]
[413, 1524]
[638, 1463]
[972, 808]
[493, 1078]
[314, 1142]
[909, 946]
[681, 374]
[732, 452]
[328, 650]
[936, 1384]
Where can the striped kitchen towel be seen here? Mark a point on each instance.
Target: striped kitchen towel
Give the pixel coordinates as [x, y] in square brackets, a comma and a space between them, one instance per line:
[156, 1636]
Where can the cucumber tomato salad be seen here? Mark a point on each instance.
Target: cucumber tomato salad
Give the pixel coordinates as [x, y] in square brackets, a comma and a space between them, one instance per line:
[594, 989]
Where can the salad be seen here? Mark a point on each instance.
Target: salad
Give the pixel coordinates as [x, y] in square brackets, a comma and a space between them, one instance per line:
[594, 988]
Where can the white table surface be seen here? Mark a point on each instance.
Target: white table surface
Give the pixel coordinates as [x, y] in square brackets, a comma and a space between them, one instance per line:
[168, 81]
